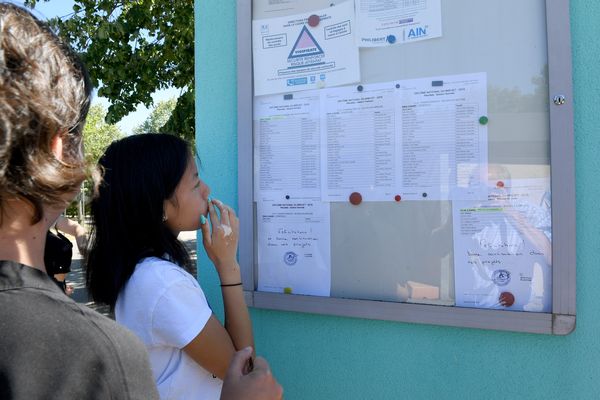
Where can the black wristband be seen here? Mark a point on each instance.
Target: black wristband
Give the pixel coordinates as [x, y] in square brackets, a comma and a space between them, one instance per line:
[231, 284]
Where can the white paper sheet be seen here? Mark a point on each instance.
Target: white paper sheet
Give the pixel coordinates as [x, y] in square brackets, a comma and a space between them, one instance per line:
[420, 139]
[360, 150]
[281, 8]
[290, 55]
[504, 246]
[294, 246]
[287, 144]
[276, 6]
[386, 22]
[444, 146]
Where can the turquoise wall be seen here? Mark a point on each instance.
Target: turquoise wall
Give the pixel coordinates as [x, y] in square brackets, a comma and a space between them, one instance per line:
[321, 357]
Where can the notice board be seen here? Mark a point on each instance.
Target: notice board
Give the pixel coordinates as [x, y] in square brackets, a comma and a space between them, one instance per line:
[403, 158]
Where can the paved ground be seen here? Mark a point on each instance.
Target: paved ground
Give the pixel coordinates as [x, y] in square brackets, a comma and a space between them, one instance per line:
[77, 274]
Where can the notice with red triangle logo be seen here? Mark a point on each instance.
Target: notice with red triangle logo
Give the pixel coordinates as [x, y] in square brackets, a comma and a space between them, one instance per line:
[305, 46]
[305, 51]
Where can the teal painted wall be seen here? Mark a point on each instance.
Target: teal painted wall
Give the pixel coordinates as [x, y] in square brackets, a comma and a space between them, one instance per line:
[321, 357]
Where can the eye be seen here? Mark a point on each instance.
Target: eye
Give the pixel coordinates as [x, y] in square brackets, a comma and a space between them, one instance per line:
[197, 185]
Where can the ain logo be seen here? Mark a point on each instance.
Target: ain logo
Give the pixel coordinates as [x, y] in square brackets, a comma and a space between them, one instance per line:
[417, 32]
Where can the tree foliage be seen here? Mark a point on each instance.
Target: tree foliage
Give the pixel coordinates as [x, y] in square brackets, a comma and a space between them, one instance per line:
[157, 118]
[133, 48]
[97, 134]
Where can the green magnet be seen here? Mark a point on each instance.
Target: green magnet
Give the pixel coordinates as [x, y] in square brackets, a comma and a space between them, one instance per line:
[287, 290]
[483, 120]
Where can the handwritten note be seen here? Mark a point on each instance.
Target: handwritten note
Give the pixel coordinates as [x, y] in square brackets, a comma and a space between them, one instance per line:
[502, 248]
[294, 246]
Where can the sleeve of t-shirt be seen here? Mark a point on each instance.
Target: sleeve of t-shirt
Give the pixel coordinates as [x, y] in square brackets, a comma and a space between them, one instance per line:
[180, 314]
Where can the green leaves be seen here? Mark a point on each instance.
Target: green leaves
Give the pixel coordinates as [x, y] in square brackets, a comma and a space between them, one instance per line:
[157, 118]
[97, 134]
[134, 48]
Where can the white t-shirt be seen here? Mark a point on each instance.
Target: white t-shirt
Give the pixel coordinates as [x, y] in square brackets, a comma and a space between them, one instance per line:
[166, 308]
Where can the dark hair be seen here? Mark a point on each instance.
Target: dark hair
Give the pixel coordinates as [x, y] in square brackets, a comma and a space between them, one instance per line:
[140, 173]
[44, 90]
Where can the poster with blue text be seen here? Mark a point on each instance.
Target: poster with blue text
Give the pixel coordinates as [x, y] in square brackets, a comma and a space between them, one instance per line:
[305, 51]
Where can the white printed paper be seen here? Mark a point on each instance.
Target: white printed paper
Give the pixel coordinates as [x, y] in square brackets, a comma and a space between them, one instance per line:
[386, 22]
[502, 247]
[290, 55]
[287, 144]
[294, 246]
[444, 145]
[275, 6]
[360, 150]
[279, 8]
[421, 139]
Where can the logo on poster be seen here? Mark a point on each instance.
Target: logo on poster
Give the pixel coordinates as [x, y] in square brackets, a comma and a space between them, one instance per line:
[290, 258]
[306, 51]
[416, 33]
[501, 277]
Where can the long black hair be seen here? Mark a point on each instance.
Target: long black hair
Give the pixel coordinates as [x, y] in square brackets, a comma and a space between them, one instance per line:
[140, 172]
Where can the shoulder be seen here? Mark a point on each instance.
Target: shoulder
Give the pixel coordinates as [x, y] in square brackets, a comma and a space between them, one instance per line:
[107, 355]
[124, 354]
[160, 294]
[153, 276]
[154, 269]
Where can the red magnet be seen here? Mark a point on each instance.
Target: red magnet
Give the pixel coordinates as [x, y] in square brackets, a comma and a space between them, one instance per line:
[314, 20]
[397, 197]
[355, 198]
[500, 184]
[507, 299]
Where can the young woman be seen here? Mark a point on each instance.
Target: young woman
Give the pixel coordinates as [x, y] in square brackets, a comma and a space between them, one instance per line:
[150, 193]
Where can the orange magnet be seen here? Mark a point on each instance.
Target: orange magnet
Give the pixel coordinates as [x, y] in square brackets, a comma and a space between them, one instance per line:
[500, 184]
[507, 299]
[397, 197]
[355, 198]
[314, 20]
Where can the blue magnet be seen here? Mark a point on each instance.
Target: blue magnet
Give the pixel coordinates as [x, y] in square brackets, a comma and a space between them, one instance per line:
[437, 83]
[391, 39]
[397, 86]
[359, 88]
[288, 96]
[287, 196]
[424, 194]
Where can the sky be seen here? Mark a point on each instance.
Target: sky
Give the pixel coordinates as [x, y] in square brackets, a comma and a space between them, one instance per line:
[61, 8]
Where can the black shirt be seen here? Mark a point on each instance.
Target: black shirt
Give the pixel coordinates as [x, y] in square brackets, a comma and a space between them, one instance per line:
[53, 348]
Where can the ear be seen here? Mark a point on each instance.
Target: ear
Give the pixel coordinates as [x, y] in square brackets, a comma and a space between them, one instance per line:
[56, 145]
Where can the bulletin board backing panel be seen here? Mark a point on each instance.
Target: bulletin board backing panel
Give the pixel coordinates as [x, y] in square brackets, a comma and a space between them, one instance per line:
[524, 48]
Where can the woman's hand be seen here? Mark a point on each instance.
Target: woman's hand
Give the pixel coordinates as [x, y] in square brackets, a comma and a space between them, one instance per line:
[221, 244]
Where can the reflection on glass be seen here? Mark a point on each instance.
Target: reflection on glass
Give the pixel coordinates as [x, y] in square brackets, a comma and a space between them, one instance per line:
[502, 247]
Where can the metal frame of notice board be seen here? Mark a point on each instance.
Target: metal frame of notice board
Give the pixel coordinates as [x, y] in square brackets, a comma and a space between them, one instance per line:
[562, 319]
